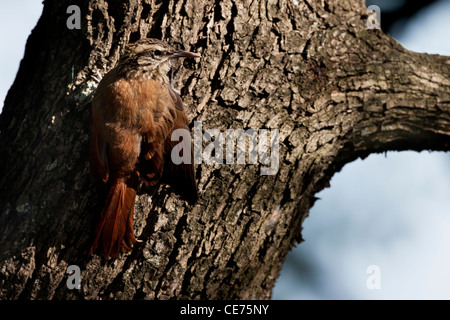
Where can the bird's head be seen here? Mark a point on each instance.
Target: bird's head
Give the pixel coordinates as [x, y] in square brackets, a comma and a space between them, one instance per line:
[152, 57]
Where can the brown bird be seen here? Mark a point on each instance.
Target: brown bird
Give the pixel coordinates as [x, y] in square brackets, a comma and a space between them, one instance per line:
[134, 112]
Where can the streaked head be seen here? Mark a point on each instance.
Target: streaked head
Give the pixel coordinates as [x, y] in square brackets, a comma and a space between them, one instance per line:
[153, 56]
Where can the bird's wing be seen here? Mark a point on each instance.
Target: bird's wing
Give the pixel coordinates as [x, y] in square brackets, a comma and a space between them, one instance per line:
[156, 164]
[97, 153]
[181, 176]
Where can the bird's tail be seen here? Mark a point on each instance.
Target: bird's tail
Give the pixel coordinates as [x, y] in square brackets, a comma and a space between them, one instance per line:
[114, 231]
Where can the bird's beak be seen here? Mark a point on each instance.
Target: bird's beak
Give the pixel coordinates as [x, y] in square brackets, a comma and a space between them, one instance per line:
[185, 54]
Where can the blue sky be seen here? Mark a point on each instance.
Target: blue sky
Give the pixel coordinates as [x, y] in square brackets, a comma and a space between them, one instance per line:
[390, 210]
[17, 19]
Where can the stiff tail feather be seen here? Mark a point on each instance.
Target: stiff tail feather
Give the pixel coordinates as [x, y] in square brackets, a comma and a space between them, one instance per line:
[114, 231]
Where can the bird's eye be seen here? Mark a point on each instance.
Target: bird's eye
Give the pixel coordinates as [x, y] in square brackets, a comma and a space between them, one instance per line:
[158, 53]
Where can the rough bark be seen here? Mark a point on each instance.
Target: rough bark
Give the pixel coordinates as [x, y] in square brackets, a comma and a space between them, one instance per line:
[335, 89]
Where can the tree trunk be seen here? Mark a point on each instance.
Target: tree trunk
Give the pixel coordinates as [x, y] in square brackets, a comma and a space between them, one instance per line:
[335, 89]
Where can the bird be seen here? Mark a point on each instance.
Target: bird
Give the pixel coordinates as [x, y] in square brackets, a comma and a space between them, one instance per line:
[134, 111]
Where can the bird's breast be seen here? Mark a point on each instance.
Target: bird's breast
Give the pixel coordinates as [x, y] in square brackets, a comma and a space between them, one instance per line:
[139, 103]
